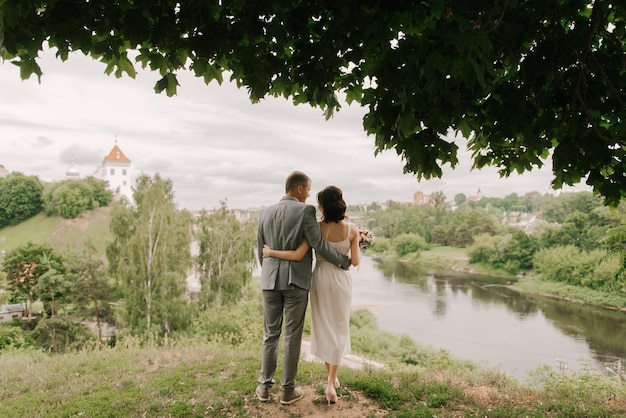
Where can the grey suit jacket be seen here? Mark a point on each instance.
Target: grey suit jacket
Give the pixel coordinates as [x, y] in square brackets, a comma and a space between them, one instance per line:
[283, 226]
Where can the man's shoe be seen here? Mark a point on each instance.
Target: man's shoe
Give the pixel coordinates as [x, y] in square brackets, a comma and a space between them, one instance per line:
[290, 396]
[263, 393]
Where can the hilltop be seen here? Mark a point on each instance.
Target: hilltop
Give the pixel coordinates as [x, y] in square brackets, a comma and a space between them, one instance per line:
[59, 232]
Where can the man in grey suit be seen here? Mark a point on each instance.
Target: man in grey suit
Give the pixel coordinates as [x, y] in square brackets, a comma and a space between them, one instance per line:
[285, 284]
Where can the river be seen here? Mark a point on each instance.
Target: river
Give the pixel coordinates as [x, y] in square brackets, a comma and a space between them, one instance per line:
[478, 318]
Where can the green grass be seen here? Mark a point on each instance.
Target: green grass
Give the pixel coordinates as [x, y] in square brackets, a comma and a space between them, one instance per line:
[209, 380]
[534, 284]
[92, 225]
[452, 258]
[203, 376]
[59, 232]
[37, 229]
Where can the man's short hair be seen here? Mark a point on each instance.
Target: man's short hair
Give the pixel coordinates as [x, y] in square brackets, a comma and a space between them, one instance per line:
[295, 179]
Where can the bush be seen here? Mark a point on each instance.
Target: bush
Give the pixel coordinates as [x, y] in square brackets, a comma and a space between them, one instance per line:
[568, 264]
[235, 324]
[557, 263]
[409, 243]
[60, 334]
[70, 198]
[20, 198]
[511, 252]
[12, 336]
[379, 246]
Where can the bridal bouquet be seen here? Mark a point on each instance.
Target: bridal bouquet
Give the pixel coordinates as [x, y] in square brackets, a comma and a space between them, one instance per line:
[365, 237]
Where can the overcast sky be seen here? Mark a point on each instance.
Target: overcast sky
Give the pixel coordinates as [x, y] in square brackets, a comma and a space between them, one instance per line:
[209, 140]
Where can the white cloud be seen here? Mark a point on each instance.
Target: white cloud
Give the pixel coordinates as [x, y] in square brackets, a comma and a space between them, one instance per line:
[210, 140]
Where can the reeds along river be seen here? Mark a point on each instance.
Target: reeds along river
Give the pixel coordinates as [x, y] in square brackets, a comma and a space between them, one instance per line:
[480, 319]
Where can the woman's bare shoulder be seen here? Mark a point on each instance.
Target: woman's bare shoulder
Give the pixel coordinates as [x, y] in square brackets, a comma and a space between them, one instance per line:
[354, 230]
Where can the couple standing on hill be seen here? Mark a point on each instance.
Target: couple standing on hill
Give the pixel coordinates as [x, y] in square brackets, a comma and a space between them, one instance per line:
[287, 232]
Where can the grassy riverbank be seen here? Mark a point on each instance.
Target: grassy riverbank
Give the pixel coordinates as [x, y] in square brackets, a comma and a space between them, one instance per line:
[458, 260]
[216, 377]
[571, 293]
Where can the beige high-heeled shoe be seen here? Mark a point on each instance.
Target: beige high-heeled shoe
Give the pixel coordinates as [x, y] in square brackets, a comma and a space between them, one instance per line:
[331, 394]
[337, 384]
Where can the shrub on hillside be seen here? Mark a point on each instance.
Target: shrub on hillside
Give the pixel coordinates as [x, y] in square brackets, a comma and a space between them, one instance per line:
[20, 198]
[70, 198]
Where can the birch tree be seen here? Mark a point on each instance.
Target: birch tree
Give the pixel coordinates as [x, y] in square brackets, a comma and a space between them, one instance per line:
[149, 257]
[226, 255]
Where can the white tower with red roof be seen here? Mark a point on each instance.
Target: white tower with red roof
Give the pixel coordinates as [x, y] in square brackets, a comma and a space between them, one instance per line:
[116, 170]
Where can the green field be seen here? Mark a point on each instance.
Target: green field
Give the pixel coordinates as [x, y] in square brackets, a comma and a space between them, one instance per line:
[60, 233]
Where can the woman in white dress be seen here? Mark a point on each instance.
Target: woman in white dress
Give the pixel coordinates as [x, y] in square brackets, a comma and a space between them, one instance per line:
[331, 286]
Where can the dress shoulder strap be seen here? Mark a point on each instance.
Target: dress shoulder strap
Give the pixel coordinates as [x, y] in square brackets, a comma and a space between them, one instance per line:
[348, 233]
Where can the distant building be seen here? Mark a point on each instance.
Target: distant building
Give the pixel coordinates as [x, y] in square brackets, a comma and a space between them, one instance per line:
[421, 199]
[116, 169]
[236, 212]
[8, 313]
[72, 173]
[475, 198]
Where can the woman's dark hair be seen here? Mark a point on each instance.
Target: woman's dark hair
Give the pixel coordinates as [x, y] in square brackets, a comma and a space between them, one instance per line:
[332, 203]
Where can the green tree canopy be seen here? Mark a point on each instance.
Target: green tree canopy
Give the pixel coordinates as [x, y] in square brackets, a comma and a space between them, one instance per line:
[25, 266]
[460, 198]
[93, 291]
[558, 208]
[226, 256]
[150, 258]
[523, 81]
[20, 198]
[70, 198]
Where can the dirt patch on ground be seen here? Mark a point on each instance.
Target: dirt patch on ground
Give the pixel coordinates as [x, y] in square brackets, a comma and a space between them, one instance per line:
[81, 224]
[351, 404]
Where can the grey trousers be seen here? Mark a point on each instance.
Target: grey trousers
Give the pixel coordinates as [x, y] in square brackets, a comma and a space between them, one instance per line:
[291, 305]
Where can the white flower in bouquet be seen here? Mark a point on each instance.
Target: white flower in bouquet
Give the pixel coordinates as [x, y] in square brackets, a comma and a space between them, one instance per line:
[365, 237]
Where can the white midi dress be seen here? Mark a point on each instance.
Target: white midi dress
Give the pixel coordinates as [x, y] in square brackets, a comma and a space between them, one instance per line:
[331, 300]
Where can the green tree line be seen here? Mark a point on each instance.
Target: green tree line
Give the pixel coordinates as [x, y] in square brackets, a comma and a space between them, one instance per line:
[571, 238]
[22, 197]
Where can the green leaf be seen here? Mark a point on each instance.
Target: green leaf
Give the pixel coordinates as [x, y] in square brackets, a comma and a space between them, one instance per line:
[169, 83]
[124, 65]
[465, 128]
[29, 67]
[354, 94]
[110, 66]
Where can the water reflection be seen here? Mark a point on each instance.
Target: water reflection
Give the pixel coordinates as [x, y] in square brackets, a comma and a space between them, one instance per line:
[484, 290]
[518, 303]
[481, 319]
[603, 330]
